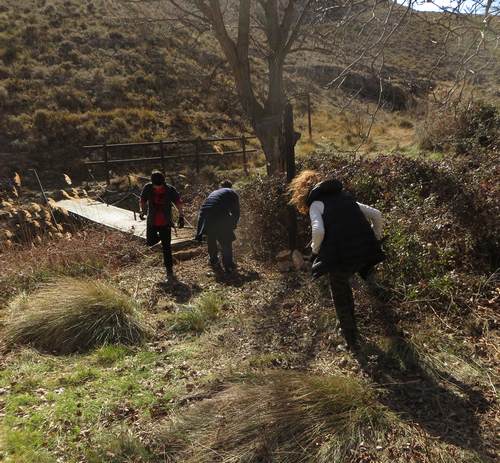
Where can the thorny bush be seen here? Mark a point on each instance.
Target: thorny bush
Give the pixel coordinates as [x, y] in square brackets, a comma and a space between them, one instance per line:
[440, 220]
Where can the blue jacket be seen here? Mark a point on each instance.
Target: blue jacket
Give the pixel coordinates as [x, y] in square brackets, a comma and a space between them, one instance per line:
[219, 215]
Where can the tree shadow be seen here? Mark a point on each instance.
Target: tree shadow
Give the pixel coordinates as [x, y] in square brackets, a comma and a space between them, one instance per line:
[443, 405]
[180, 291]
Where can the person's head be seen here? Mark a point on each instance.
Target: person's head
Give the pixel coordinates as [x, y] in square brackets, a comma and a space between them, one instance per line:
[157, 178]
[301, 186]
[226, 184]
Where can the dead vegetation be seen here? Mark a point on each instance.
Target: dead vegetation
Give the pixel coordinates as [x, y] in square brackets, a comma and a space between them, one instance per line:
[281, 417]
[73, 315]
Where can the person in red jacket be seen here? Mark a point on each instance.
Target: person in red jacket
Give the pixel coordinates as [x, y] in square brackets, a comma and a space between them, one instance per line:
[156, 201]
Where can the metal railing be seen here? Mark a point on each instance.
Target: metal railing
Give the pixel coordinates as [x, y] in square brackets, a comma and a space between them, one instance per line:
[163, 157]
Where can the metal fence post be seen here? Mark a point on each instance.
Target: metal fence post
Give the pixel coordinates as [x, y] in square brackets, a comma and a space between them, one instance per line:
[197, 154]
[244, 149]
[162, 156]
[106, 163]
[309, 116]
[289, 152]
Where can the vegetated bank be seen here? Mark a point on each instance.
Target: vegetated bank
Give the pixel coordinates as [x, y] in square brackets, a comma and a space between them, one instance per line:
[265, 350]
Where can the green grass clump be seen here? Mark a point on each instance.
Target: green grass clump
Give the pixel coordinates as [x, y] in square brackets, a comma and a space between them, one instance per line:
[74, 315]
[108, 355]
[198, 316]
[305, 417]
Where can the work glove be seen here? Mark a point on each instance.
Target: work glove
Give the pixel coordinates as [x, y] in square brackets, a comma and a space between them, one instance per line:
[142, 215]
[181, 222]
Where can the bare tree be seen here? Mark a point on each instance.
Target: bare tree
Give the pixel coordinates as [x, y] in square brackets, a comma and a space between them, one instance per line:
[272, 27]
[351, 34]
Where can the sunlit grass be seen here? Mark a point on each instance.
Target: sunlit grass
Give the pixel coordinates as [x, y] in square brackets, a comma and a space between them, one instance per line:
[73, 315]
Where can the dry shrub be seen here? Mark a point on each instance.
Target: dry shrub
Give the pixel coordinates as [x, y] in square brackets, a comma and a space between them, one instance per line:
[86, 253]
[263, 229]
[281, 417]
[74, 315]
[438, 251]
[464, 129]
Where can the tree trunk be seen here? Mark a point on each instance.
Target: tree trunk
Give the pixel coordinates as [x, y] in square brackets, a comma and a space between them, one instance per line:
[268, 130]
[269, 126]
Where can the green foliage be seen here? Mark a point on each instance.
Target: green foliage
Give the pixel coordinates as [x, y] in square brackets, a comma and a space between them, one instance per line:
[109, 354]
[73, 315]
[437, 250]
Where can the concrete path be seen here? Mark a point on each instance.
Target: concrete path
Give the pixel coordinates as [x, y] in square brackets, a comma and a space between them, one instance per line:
[118, 219]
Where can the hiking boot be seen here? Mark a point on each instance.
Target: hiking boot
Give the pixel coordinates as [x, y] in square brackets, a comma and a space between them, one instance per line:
[230, 268]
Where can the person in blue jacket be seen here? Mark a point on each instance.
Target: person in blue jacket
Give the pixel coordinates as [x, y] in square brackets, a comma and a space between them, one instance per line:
[217, 220]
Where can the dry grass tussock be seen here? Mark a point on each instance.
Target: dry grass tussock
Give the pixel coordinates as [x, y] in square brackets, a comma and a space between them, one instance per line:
[281, 417]
[73, 315]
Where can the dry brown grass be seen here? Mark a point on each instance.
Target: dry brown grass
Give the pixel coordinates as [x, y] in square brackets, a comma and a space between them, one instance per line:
[88, 252]
[280, 417]
[74, 315]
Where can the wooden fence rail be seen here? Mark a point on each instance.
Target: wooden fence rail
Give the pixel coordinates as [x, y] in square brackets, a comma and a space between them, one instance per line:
[197, 154]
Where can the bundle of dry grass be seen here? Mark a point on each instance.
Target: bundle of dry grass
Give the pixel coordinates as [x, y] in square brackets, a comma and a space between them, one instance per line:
[283, 417]
[74, 315]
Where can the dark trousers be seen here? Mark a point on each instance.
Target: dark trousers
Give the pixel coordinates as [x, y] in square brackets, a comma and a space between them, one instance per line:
[226, 246]
[344, 302]
[163, 234]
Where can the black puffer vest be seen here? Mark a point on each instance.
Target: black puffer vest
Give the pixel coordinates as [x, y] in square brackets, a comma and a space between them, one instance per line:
[349, 243]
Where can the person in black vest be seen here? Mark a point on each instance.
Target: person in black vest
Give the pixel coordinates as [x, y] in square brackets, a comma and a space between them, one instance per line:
[218, 218]
[345, 240]
[156, 201]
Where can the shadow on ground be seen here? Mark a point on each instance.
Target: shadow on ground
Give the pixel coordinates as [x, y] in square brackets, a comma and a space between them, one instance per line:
[237, 278]
[180, 291]
[419, 392]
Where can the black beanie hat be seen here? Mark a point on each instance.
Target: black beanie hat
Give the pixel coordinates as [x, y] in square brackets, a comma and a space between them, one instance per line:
[157, 178]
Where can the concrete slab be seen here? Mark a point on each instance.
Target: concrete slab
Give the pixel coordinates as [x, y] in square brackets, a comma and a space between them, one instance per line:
[118, 219]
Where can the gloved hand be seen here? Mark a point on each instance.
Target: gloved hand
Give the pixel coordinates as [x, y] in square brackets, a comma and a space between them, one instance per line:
[142, 215]
[181, 222]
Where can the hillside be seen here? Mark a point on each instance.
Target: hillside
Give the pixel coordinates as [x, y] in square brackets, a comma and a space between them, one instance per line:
[102, 361]
[70, 75]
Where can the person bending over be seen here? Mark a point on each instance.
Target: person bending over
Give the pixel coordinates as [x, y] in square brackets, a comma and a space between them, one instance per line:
[218, 218]
[156, 201]
[345, 240]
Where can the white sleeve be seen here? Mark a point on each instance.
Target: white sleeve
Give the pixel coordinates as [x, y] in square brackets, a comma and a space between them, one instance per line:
[374, 216]
[317, 226]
